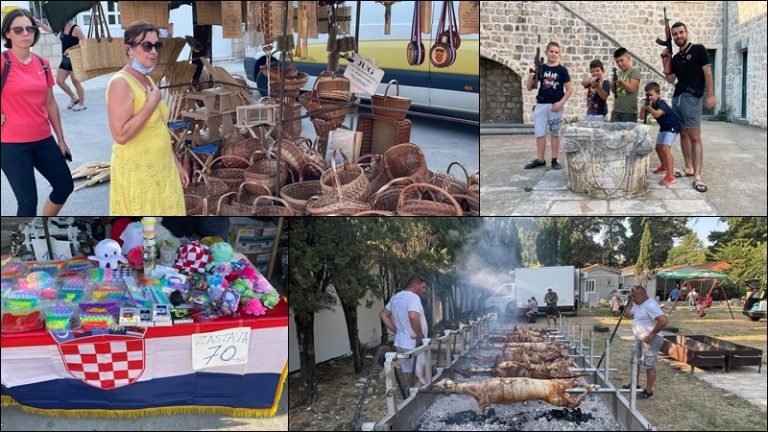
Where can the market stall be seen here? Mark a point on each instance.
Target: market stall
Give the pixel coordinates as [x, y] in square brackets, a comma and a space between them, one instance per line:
[162, 329]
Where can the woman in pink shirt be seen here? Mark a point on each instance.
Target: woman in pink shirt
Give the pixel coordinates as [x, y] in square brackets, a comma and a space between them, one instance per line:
[28, 113]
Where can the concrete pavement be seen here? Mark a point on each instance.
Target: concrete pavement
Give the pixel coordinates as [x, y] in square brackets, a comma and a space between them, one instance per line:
[88, 136]
[734, 170]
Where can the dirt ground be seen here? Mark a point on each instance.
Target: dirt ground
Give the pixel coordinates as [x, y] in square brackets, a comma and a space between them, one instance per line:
[681, 401]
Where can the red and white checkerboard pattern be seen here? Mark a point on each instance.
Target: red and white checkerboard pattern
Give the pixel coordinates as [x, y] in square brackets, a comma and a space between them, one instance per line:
[105, 365]
[193, 257]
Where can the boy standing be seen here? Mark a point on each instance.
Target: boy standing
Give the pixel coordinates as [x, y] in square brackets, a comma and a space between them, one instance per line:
[669, 127]
[598, 90]
[625, 104]
[548, 113]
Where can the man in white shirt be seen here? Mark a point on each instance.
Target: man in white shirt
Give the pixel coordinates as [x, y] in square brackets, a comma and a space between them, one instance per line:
[404, 316]
[648, 321]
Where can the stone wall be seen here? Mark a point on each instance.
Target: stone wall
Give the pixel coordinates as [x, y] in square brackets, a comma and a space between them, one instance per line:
[746, 31]
[593, 30]
[500, 93]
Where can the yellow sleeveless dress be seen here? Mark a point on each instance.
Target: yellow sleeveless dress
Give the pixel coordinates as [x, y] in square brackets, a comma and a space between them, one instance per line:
[144, 180]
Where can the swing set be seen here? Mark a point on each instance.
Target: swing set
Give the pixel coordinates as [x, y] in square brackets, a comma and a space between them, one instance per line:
[704, 277]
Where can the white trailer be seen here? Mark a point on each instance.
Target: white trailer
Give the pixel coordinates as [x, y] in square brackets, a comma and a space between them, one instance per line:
[512, 297]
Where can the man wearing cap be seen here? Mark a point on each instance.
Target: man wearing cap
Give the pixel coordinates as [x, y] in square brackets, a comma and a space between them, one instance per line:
[550, 298]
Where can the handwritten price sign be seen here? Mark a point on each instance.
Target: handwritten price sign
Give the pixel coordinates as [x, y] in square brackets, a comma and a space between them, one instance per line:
[363, 74]
[222, 348]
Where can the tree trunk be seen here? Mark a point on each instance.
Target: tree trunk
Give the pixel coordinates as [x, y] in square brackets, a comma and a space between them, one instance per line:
[350, 316]
[305, 331]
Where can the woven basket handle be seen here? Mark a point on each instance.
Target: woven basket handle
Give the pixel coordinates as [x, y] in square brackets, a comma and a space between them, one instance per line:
[386, 89]
[213, 162]
[271, 198]
[393, 182]
[240, 189]
[300, 140]
[454, 203]
[336, 179]
[221, 200]
[466, 174]
[202, 175]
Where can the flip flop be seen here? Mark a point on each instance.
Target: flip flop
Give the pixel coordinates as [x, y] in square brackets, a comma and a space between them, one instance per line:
[681, 173]
[700, 186]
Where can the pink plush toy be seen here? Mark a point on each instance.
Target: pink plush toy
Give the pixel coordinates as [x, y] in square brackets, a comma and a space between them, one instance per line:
[254, 307]
[135, 257]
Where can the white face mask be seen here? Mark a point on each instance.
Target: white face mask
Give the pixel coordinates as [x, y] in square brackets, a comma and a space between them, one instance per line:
[139, 67]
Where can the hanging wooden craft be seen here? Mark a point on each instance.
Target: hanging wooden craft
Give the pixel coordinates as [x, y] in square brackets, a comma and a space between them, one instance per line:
[415, 51]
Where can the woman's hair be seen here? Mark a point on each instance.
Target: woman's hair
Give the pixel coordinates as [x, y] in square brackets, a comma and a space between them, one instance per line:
[12, 15]
[139, 29]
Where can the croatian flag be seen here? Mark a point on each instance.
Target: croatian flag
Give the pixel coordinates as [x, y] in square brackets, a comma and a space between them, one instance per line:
[147, 368]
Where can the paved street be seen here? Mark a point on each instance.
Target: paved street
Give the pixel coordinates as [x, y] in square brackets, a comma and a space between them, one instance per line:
[89, 139]
[734, 170]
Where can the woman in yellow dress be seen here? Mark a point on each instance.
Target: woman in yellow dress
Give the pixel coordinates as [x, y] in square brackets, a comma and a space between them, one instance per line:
[146, 177]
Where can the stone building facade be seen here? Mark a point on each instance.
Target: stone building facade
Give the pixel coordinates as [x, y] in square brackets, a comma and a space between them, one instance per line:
[734, 33]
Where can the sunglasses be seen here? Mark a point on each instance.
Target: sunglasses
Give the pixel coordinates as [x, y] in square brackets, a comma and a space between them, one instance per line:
[147, 46]
[30, 29]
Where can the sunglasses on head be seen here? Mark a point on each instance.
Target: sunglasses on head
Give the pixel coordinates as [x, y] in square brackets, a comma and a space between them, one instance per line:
[19, 29]
[147, 46]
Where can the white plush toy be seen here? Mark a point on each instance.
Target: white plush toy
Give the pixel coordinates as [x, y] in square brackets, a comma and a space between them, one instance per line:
[108, 254]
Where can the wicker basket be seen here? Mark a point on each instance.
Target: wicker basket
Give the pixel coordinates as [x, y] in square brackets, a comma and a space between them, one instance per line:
[264, 172]
[291, 154]
[291, 129]
[333, 87]
[297, 194]
[153, 11]
[333, 205]
[474, 179]
[195, 205]
[407, 205]
[272, 209]
[394, 107]
[470, 204]
[249, 149]
[210, 189]
[406, 160]
[375, 213]
[386, 197]
[381, 133]
[349, 178]
[449, 182]
[292, 79]
[167, 57]
[232, 177]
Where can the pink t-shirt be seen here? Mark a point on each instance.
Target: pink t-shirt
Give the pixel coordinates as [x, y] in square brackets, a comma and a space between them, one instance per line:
[23, 101]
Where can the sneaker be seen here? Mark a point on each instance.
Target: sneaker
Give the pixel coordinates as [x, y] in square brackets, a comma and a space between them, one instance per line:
[556, 165]
[645, 394]
[660, 170]
[78, 107]
[626, 387]
[667, 180]
[535, 163]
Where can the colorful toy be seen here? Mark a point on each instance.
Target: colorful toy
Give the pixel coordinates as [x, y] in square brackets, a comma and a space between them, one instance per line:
[101, 275]
[216, 286]
[254, 307]
[108, 253]
[12, 269]
[58, 318]
[46, 266]
[230, 300]
[95, 318]
[110, 307]
[22, 300]
[210, 240]
[220, 253]
[192, 258]
[16, 323]
[270, 300]
[36, 280]
[72, 290]
[107, 292]
[79, 264]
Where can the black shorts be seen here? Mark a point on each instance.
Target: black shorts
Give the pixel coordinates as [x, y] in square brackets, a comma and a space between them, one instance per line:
[552, 311]
[66, 64]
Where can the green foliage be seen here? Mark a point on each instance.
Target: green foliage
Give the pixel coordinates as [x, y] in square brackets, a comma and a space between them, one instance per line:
[689, 251]
[748, 260]
[644, 266]
[664, 229]
[752, 229]
[614, 235]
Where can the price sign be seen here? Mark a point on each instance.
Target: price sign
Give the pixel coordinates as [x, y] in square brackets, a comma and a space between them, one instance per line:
[221, 348]
[363, 74]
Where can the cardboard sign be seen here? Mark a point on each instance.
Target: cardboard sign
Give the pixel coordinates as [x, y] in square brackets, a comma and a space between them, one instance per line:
[221, 348]
[59, 248]
[363, 74]
[469, 17]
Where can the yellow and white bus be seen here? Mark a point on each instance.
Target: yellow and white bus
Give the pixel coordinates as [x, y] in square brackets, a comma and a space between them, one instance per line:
[454, 90]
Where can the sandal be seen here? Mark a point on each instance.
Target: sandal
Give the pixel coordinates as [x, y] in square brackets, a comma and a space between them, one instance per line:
[73, 103]
[700, 186]
[659, 170]
[682, 173]
[667, 181]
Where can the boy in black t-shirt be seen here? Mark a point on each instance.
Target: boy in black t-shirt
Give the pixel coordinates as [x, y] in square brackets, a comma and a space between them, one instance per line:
[598, 90]
[669, 127]
[548, 113]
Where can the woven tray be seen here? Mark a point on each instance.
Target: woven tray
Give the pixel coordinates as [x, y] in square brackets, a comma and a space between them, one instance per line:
[381, 133]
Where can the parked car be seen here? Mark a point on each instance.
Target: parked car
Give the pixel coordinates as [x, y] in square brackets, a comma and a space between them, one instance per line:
[755, 303]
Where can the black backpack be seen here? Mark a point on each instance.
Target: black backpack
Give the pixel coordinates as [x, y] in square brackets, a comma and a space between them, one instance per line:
[8, 67]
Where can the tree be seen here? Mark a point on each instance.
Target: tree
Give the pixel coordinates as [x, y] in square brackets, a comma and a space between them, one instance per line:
[614, 236]
[748, 260]
[547, 242]
[581, 248]
[750, 229]
[689, 251]
[664, 229]
[644, 267]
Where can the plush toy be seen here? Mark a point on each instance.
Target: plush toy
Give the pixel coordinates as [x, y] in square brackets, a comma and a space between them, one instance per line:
[220, 253]
[192, 258]
[108, 254]
[270, 300]
[254, 307]
[216, 285]
[135, 257]
[230, 301]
